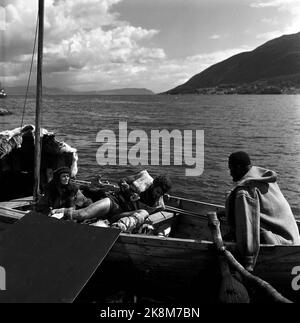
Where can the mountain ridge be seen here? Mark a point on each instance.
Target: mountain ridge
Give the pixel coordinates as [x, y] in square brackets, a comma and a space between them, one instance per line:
[20, 90]
[266, 64]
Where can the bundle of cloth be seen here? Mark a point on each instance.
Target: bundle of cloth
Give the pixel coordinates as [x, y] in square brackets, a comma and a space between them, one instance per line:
[59, 153]
[12, 139]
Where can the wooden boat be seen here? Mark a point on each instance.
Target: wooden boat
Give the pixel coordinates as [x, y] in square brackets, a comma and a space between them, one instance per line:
[186, 260]
[168, 267]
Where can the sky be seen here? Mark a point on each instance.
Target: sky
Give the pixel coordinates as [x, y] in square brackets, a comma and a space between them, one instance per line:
[153, 44]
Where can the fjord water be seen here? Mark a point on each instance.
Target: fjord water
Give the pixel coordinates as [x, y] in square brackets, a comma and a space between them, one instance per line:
[266, 126]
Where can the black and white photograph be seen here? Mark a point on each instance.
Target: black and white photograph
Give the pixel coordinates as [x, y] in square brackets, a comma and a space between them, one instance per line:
[150, 154]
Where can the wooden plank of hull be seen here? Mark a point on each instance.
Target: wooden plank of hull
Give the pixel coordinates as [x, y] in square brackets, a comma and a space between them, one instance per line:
[275, 264]
[168, 265]
[184, 264]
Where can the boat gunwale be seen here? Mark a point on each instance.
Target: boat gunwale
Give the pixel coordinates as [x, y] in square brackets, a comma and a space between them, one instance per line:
[132, 238]
[218, 206]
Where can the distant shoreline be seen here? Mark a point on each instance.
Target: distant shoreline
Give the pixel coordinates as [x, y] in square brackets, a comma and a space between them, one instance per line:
[21, 90]
[240, 90]
[155, 94]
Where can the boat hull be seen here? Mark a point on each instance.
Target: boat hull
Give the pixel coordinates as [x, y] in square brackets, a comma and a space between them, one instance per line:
[185, 264]
[168, 266]
[178, 267]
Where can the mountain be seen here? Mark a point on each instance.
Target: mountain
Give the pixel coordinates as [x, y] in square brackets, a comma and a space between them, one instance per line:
[20, 90]
[274, 64]
[125, 91]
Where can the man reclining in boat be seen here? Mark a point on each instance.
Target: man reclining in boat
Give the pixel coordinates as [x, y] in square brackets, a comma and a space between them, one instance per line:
[138, 196]
[61, 193]
[256, 210]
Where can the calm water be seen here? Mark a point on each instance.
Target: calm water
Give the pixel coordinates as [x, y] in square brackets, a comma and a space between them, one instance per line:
[268, 127]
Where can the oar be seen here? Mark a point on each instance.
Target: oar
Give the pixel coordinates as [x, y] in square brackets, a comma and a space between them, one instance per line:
[231, 290]
[270, 291]
[105, 184]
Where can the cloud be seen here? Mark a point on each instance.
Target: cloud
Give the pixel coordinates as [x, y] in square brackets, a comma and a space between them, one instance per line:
[80, 36]
[162, 74]
[88, 47]
[292, 7]
[272, 3]
[269, 35]
[270, 21]
[215, 36]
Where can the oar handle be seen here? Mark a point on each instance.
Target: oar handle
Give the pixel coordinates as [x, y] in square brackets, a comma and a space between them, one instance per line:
[214, 225]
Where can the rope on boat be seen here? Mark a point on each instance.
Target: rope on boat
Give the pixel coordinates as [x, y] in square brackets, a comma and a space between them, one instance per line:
[30, 71]
[254, 280]
[231, 289]
[214, 224]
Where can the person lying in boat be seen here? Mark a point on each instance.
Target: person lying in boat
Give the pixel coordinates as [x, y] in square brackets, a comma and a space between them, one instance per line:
[138, 192]
[256, 210]
[60, 193]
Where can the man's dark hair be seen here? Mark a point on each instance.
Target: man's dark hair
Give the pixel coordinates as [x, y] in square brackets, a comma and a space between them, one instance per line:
[239, 158]
[164, 182]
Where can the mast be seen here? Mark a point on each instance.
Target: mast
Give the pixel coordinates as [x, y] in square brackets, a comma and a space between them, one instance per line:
[39, 86]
